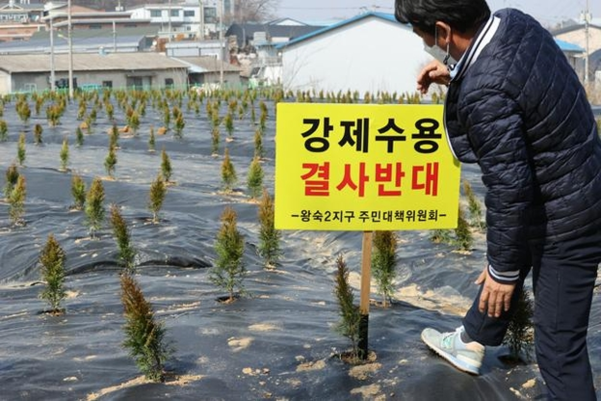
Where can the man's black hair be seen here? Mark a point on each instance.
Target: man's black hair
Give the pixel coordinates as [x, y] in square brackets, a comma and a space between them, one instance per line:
[462, 15]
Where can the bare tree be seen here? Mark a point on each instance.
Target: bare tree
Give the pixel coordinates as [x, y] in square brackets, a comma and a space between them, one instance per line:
[254, 11]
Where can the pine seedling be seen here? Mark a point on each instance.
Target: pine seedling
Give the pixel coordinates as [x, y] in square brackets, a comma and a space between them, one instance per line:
[52, 258]
[79, 136]
[228, 172]
[144, 336]
[269, 237]
[94, 206]
[350, 315]
[37, 134]
[463, 235]
[229, 271]
[520, 333]
[151, 141]
[158, 190]
[21, 152]
[215, 138]
[165, 166]
[114, 137]
[78, 191]
[255, 178]
[127, 253]
[23, 110]
[474, 206]
[12, 175]
[64, 155]
[383, 263]
[110, 161]
[180, 124]
[3, 131]
[259, 152]
[441, 236]
[229, 124]
[16, 201]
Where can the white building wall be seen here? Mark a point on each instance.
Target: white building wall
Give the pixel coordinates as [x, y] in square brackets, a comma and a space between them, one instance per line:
[368, 55]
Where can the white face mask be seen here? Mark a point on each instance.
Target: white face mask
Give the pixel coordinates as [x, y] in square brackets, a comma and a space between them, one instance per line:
[437, 52]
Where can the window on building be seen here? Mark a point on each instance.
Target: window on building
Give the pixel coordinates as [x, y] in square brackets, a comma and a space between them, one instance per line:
[168, 81]
[175, 13]
[189, 13]
[155, 13]
[210, 15]
[107, 84]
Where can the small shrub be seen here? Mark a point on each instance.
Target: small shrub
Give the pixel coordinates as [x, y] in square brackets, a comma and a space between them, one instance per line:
[269, 237]
[64, 155]
[79, 136]
[474, 208]
[144, 336]
[114, 137]
[52, 258]
[127, 253]
[255, 178]
[441, 236]
[3, 131]
[384, 263]
[463, 235]
[520, 333]
[166, 166]
[215, 139]
[110, 161]
[94, 207]
[350, 315]
[229, 124]
[78, 191]
[12, 175]
[158, 190]
[151, 140]
[228, 172]
[16, 201]
[180, 124]
[229, 271]
[37, 134]
[21, 152]
[259, 152]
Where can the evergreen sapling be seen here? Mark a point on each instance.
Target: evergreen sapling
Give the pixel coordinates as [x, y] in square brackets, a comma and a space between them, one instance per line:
[52, 258]
[158, 190]
[144, 336]
[94, 207]
[127, 253]
[229, 271]
[384, 263]
[269, 237]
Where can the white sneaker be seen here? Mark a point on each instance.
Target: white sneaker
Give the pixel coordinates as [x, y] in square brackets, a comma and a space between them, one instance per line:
[464, 356]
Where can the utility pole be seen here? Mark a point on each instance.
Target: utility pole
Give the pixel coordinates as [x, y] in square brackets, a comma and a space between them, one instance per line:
[201, 21]
[52, 66]
[169, 21]
[70, 32]
[221, 43]
[587, 19]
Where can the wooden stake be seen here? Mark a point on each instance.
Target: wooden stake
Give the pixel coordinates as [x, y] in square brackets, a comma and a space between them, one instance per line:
[365, 293]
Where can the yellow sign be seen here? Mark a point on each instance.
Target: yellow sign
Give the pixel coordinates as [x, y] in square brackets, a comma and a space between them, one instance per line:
[364, 168]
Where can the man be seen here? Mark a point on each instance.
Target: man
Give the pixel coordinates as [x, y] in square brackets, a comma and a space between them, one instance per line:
[516, 107]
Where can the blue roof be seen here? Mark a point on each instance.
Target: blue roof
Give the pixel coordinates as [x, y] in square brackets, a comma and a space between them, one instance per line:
[568, 47]
[384, 16]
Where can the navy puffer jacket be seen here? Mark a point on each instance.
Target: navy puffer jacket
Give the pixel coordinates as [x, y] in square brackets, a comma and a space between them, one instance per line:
[517, 108]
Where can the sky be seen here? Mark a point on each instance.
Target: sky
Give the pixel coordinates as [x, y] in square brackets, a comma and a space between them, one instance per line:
[548, 12]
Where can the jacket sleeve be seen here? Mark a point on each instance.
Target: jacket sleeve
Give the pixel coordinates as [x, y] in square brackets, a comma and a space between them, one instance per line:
[496, 132]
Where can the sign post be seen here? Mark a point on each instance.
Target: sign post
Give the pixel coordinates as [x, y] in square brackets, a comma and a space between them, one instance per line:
[364, 167]
[365, 292]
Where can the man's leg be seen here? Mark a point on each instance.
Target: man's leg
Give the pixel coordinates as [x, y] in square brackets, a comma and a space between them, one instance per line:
[563, 294]
[487, 330]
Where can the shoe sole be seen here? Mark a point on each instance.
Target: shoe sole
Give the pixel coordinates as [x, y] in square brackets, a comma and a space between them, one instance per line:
[454, 361]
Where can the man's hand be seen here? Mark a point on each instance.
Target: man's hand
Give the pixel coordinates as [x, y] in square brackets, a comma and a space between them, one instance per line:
[495, 297]
[434, 73]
